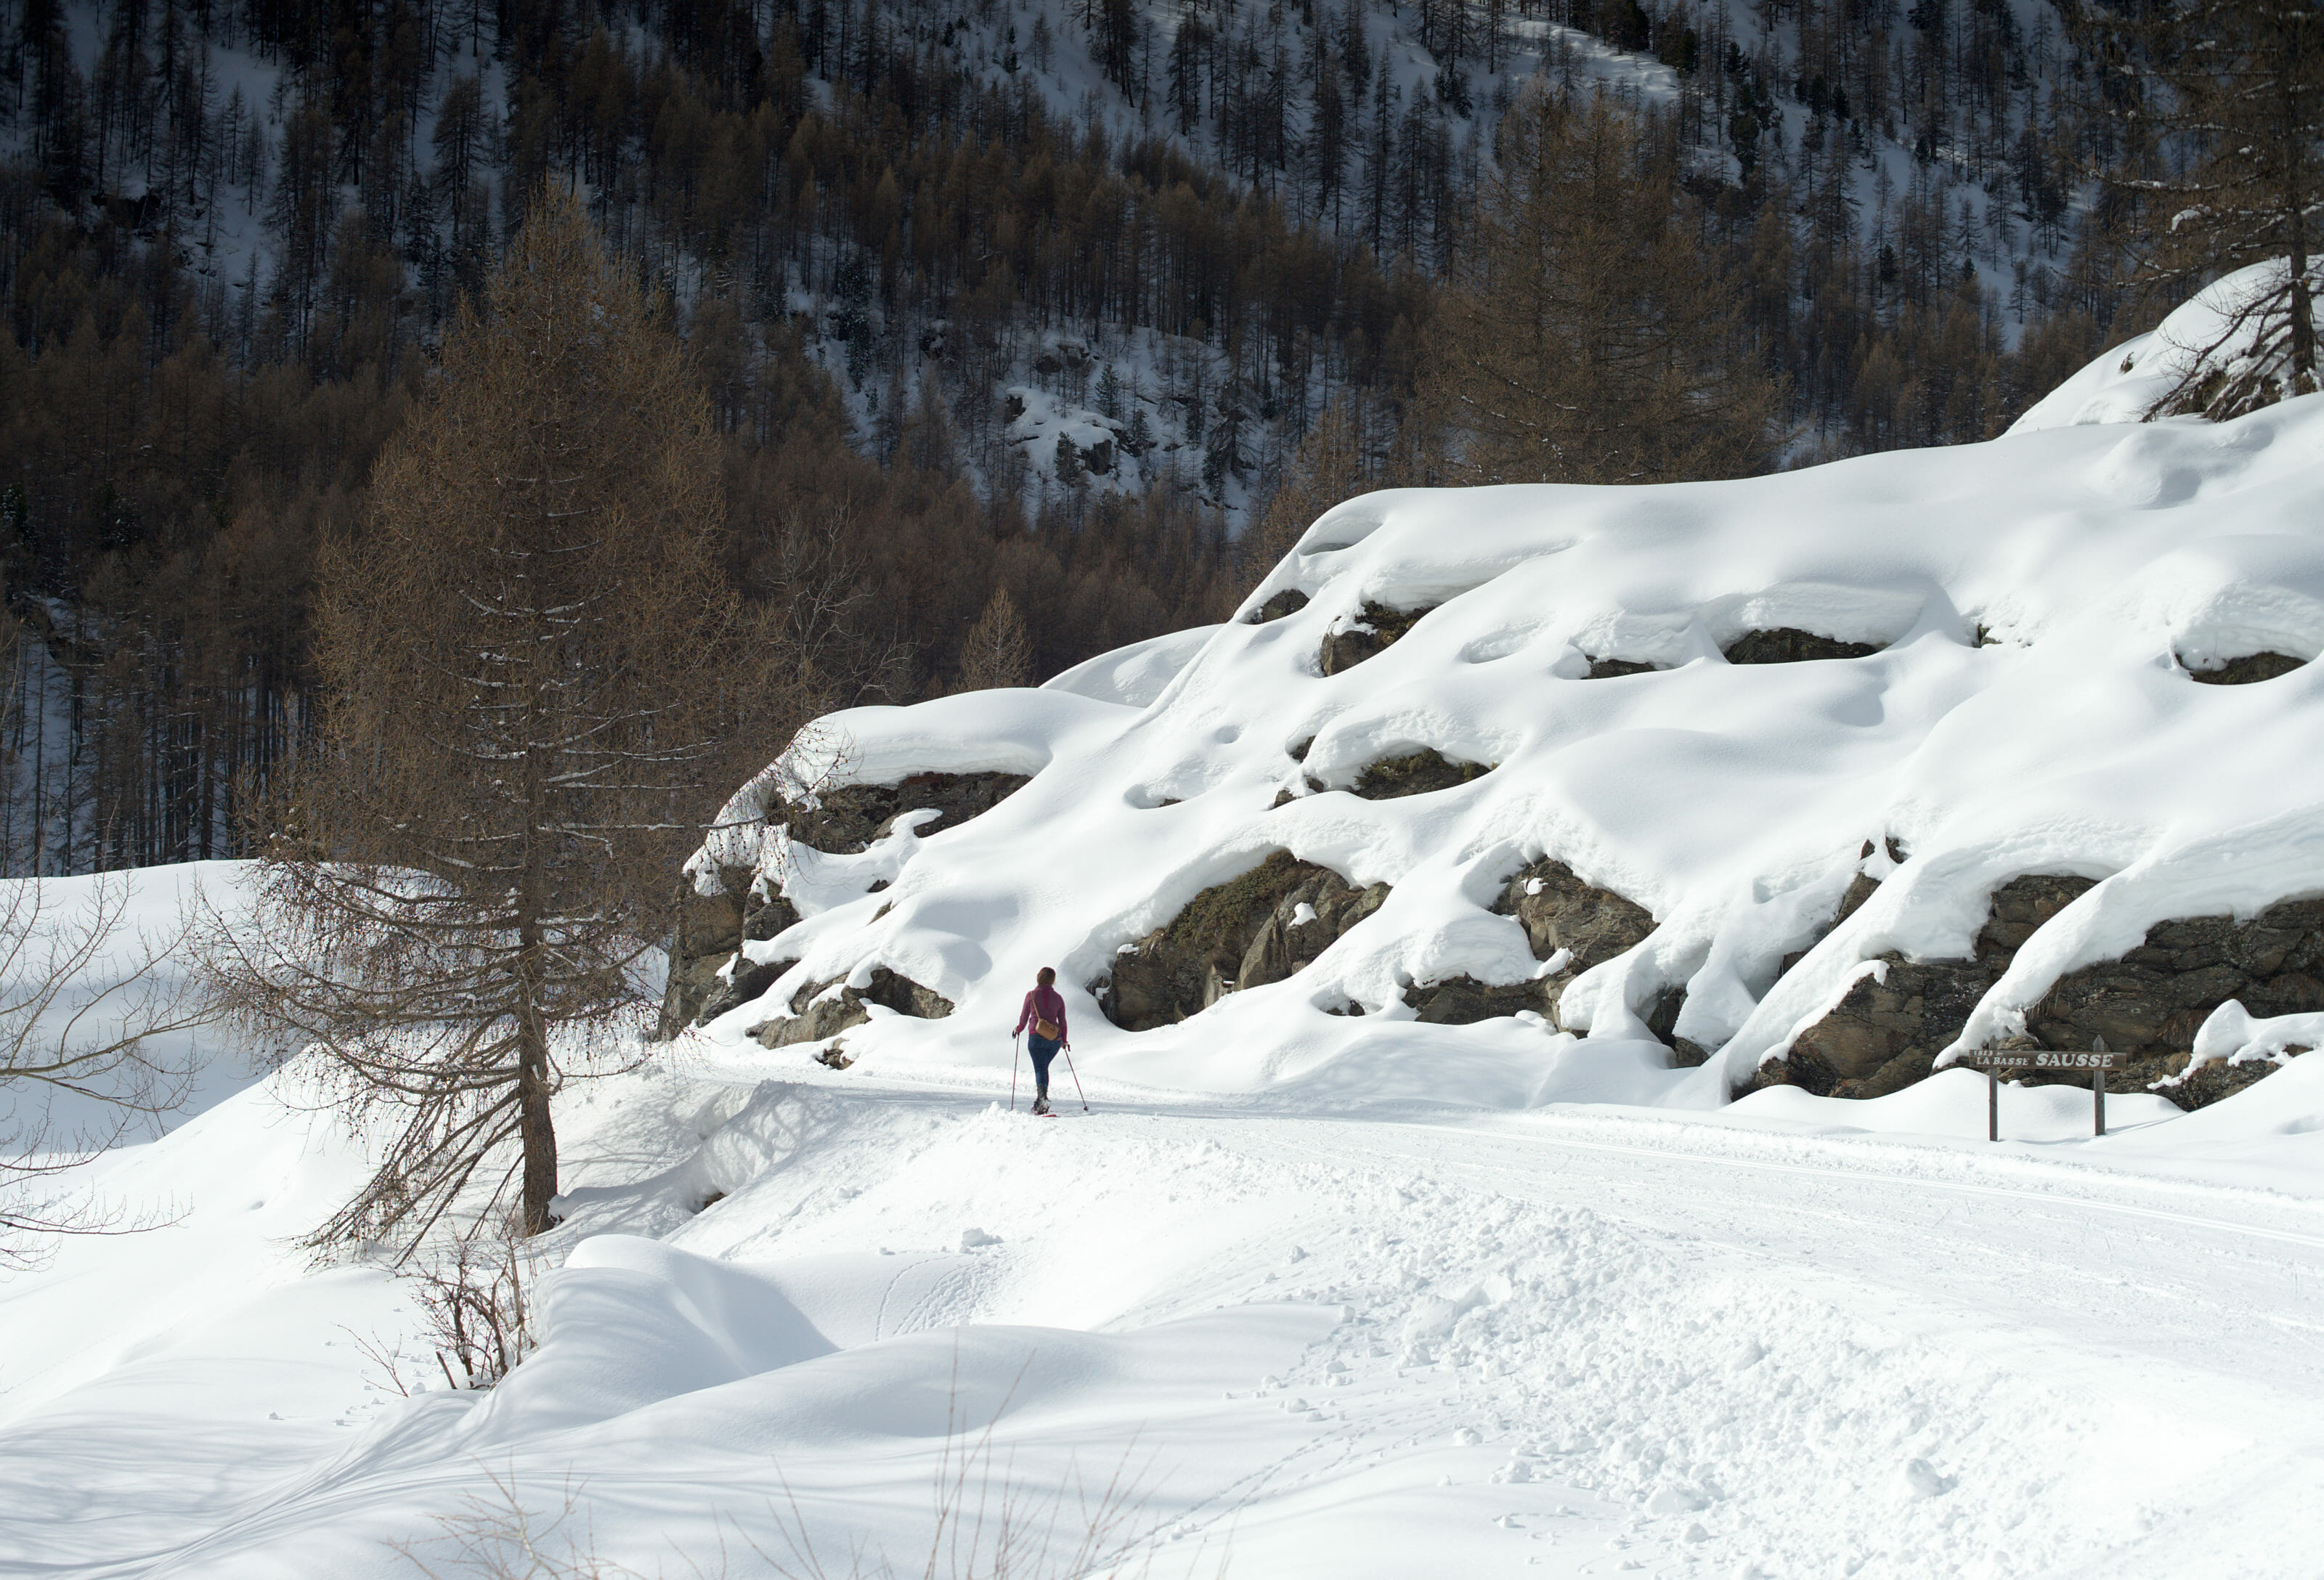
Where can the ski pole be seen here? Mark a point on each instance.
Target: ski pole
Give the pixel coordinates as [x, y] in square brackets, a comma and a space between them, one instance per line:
[1066, 1048]
[1015, 1052]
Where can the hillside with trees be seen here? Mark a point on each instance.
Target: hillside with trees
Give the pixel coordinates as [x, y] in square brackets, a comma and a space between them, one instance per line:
[1003, 313]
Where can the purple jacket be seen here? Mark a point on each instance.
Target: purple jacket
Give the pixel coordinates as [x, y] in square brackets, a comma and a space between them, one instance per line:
[1051, 1007]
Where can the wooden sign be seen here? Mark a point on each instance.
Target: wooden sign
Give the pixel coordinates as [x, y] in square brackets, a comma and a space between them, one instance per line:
[1994, 1060]
[2041, 1058]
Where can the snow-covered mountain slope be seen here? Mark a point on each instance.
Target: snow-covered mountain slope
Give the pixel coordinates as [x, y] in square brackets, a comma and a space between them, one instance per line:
[2044, 608]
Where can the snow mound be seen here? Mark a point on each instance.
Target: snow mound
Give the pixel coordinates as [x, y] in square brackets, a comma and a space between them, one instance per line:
[2024, 615]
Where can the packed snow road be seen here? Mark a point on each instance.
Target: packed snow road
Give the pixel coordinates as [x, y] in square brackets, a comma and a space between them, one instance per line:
[1570, 1342]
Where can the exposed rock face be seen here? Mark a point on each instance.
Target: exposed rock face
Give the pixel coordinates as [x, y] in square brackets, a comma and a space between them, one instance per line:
[2249, 669]
[711, 928]
[1290, 600]
[1860, 888]
[708, 932]
[1558, 910]
[748, 983]
[1462, 1000]
[1789, 645]
[1263, 927]
[1375, 629]
[813, 1016]
[1614, 669]
[851, 818]
[1885, 1035]
[1415, 775]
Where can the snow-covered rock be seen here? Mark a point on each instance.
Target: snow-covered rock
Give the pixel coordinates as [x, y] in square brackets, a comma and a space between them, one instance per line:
[1807, 724]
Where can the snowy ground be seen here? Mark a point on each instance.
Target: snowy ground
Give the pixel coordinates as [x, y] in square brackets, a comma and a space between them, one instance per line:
[1281, 1310]
[1573, 1341]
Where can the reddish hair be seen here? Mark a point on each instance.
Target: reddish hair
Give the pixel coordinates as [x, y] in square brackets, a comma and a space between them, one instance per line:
[1047, 977]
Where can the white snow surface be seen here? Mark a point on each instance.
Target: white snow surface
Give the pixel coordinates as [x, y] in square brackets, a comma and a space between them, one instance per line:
[1353, 1296]
[2097, 563]
[1574, 1342]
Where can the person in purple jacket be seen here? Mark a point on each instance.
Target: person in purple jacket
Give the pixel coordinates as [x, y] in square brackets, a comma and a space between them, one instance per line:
[1044, 1013]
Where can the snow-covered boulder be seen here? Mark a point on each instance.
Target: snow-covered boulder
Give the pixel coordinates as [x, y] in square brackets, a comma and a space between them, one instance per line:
[1792, 744]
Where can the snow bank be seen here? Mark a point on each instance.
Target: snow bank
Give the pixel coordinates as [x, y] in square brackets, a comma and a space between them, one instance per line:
[2039, 600]
[2131, 379]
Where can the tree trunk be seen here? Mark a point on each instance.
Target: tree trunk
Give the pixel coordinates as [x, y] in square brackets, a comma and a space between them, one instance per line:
[535, 1131]
[2303, 319]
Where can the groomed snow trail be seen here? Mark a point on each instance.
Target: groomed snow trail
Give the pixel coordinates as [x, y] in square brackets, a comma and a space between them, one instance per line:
[1573, 1342]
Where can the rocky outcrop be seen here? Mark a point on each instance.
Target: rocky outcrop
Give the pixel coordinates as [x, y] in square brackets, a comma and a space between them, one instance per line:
[1558, 910]
[1415, 774]
[2249, 669]
[1790, 644]
[851, 818]
[1615, 668]
[1264, 926]
[711, 928]
[1375, 629]
[745, 984]
[816, 1012]
[1886, 1033]
[1860, 888]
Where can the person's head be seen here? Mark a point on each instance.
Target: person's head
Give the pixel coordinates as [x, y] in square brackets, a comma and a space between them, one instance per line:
[1047, 977]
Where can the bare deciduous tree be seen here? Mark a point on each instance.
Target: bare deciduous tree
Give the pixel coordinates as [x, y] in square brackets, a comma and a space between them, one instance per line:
[87, 1006]
[2223, 102]
[995, 652]
[1328, 467]
[1586, 338]
[536, 683]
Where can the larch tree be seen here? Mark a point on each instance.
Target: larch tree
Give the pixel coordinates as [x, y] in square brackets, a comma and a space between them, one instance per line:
[1586, 338]
[1329, 466]
[2224, 104]
[536, 683]
[996, 651]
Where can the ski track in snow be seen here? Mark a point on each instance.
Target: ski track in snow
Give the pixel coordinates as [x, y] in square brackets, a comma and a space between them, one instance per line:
[1574, 1342]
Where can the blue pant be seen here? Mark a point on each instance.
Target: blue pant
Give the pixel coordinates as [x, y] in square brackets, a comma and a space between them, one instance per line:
[1045, 1049]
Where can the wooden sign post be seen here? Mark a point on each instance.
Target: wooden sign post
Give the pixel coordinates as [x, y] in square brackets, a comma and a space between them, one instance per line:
[1994, 1060]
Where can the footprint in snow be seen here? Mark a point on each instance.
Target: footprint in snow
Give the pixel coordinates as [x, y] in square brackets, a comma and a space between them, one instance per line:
[1922, 1480]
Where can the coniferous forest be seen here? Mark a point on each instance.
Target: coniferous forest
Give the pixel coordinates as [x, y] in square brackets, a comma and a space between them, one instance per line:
[1028, 329]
